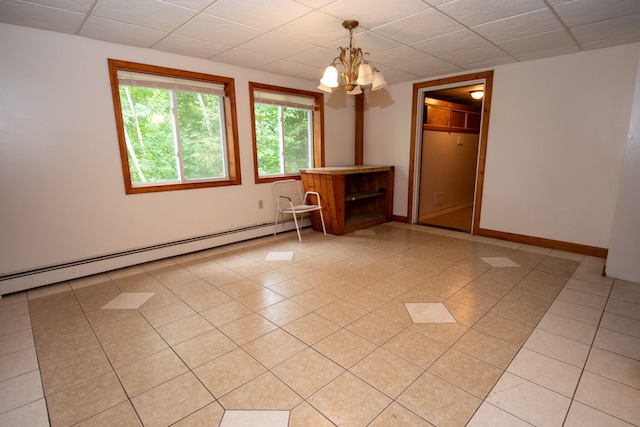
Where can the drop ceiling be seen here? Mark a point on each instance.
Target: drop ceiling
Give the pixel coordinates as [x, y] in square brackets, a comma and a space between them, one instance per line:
[407, 39]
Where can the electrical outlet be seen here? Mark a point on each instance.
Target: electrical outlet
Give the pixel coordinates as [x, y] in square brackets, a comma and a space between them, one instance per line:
[260, 204]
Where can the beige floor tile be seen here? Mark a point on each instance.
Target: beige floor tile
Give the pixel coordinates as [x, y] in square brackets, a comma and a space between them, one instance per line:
[577, 312]
[585, 416]
[16, 341]
[85, 400]
[184, 329]
[439, 402]
[584, 285]
[349, 401]
[228, 372]
[623, 308]
[487, 348]
[274, 348]
[345, 348]
[444, 333]
[375, 328]
[33, 414]
[470, 374]
[50, 352]
[291, 287]
[265, 392]
[284, 312]
[227, 312]
[260, 299]
[55, 329]
[74, 371]
[548, 372]
[223, 278]
[210, 415]
[313, 299]
[609, 396]
[307, 372]
[171, 401]
[505, 329]
[614, 366]
[464, 314]
[560, 348]
[559, 266]
[587, 299]
[248, 328]
[341, 312]
[615, 342]
[387, 372]
[621, 324]
[528, 401]
[206, 300]
[165, 314]
[396, 312]
[241, 287]
[21, 390]
[204, 348]
[488, 415]
[311, 328]
[122, 415]
[304, 415]
[568, 328]
[398, 416]
[134, 348]
[110, 332]
[519, 312]
[18, 363]
[367, 299]
[416, 348]
[625, 294]
[151, 371]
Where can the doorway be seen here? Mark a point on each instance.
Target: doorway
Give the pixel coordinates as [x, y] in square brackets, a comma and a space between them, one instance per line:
[448, 150]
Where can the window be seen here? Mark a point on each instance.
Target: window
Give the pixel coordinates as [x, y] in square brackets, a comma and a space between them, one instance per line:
[287, 131]
[177, 129]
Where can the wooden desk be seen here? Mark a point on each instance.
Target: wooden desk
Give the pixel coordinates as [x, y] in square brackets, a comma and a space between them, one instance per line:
[352, 197]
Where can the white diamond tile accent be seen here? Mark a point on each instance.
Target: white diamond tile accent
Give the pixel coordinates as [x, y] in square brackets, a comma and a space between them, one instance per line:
[128, 301]
[499, 261]
[255, 419]
[429, 312]
[279, 256]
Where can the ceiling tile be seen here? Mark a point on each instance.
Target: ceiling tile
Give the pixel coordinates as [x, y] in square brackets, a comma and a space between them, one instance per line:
[243, 58]
[565, 50]
[43, 17]
[316, 28]
[393, 75]
[599, 44]
[372, 13]
[277, 46]
[527, 24]
[462, 39]
[118, 32]
[263, 14]
[400, 55]
[420, 26]
[286, 68]
[188, 46]
[623, 26]
[191, 4]
[154, 14]
[371, 42]
[429, 66]
[212, 29]
[315, 4]
[474, 12]
[82, 6]
[467, 57]
[538, 43]
[580, 12]
[317, 57]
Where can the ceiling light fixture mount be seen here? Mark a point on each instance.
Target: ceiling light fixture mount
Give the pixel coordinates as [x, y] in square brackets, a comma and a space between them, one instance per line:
[357, 74]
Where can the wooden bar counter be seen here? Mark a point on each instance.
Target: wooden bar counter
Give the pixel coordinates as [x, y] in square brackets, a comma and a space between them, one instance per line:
[352, 197]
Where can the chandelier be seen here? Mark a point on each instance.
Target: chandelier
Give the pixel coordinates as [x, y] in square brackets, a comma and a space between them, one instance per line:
[358, 73]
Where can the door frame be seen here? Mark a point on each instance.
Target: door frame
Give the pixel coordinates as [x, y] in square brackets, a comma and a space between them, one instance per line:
[415, 156]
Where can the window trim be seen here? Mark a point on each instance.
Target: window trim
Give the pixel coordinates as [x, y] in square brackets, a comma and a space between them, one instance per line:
[318, 128]
[231, 126]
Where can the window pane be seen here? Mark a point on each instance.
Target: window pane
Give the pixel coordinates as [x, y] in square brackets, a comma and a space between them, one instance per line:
[201, 135]
[267, 139]
[296, 139]
[148, 126]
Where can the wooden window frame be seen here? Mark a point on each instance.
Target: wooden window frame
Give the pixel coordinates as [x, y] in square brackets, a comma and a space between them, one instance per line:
[231, 126]
[318, 128]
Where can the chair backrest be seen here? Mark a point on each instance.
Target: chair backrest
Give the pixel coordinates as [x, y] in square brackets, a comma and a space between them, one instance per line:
[289, 188]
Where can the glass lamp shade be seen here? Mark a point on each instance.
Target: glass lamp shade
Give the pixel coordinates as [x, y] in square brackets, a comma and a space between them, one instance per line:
[378, 81]
[330, 77]
[365, 74]
[477, 94]
[325, 88]
[355, 91]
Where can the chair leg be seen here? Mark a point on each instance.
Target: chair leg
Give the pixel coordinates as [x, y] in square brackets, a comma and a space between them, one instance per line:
[275, 227]
[295, 220]
[322, 220]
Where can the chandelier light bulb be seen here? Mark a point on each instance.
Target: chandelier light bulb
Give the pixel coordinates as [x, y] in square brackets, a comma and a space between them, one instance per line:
[378, 80]
[330, 77]
[365, 75]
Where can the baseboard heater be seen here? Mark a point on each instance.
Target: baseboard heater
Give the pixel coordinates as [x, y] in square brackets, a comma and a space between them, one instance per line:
[41, 276]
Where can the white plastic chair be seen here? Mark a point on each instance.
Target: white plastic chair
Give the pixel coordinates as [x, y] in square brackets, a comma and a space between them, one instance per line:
[289, 200]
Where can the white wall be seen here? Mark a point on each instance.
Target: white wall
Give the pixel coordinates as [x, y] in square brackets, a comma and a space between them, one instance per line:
[61, 184]
[624, 250]
[555, 143]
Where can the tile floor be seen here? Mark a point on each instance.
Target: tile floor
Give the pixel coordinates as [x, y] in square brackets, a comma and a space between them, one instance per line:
[243, 335]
